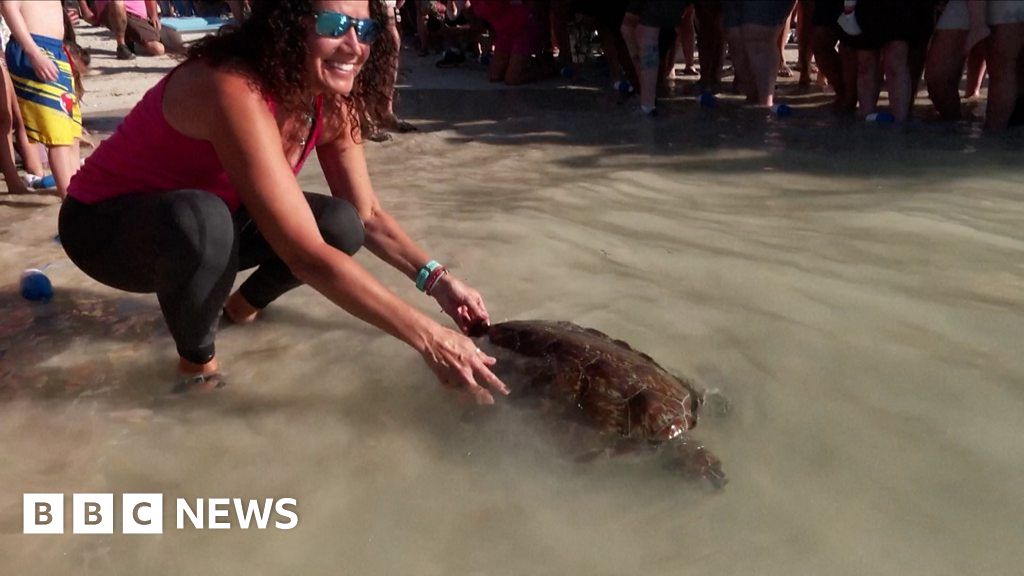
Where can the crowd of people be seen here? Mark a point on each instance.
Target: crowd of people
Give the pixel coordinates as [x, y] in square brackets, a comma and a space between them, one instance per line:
[851, 48]
[199, 180]
[857, 46]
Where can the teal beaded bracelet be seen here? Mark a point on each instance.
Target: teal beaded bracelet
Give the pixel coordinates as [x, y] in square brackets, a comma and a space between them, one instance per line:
[424, 273]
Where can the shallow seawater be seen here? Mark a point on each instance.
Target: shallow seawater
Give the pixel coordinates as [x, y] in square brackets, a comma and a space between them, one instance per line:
[856, 291]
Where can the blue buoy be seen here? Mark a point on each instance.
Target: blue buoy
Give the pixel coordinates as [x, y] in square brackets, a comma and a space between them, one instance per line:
[35, 286]
[880, 118]
[567, 72]
[782, 110]
[707, 100]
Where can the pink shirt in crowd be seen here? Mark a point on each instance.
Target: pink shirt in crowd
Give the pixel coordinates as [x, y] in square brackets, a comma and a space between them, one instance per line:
[137, 7]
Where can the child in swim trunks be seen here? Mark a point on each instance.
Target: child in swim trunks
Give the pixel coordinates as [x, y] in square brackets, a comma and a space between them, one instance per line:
[43, 83]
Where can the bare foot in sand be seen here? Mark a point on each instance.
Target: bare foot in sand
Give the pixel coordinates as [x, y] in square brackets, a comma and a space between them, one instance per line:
[198, 378]
[239, 311]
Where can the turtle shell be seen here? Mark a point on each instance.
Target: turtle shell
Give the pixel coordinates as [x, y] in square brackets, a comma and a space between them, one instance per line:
[614, 387]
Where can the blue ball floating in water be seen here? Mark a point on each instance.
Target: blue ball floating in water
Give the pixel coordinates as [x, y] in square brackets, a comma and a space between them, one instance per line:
[624, 87]
[567, 72]
[707, 100]
[35, 286]
[881, 118]
[782, 110]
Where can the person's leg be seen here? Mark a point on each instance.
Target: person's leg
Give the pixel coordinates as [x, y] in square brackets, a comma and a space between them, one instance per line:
[560, 16]
[60, 165]
[805, 33]
[498, 67]
[868, 85]
[917, 55]
[688, 40]
[823, 44]
[505, 35]
[709, 42]
[1017, 117]
[8, 105]
[783, 67]
[391, 122]
[743, 80]
[762, 50]
[181, 245]
[1005, 47]
[31, 158]
[519, 72]
[897, 78]
[340, 226]
[628, 31]
[943, 68]
[668, 46]
[422, 31]
[846, 102]
[976, 69]
[647, 45]
[614, 52]
[237, 8]
[116, 19]
[144, 37]
[541, 11]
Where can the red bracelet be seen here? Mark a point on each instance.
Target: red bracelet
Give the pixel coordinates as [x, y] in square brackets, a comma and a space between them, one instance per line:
[433, 279]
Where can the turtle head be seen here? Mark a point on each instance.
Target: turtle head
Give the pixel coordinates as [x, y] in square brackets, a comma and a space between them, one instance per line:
[528, 338]
[478, 329]
[693, 460]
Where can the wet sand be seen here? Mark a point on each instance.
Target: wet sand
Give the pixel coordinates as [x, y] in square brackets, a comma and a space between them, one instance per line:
[855, 290]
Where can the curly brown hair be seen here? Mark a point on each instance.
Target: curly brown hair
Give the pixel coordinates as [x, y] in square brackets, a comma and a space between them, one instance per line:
[270, 48]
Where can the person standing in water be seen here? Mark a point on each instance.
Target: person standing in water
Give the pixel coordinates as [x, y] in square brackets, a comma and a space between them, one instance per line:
[199, 182]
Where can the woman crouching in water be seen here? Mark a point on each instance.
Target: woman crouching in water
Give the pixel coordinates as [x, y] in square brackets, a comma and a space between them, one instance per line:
[199, 182]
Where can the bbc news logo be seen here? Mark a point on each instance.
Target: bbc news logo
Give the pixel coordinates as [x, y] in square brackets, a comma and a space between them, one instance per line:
[144, 513]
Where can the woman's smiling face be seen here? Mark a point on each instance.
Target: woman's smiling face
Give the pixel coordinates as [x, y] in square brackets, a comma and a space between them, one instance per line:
[333, 63]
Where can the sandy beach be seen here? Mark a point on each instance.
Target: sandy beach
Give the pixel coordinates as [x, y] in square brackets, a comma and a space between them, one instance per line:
[856, 290]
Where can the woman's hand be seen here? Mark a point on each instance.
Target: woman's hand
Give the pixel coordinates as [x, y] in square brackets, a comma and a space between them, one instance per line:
[458, 363]
[464, 304]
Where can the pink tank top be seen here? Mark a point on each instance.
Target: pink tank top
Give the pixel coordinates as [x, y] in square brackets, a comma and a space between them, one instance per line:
[146, 155]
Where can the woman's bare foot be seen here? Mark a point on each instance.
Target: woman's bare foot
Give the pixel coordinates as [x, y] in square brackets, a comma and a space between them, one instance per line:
[194, 377]
[238, 309]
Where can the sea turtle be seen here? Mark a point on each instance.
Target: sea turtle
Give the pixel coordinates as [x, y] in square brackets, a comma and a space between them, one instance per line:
[611, 387]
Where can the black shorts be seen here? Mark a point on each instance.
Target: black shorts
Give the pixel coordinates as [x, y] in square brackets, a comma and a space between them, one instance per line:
[140, 30]
[658, 13]
[761, 12]
[608, 13]
[827, 12]
[884, 21]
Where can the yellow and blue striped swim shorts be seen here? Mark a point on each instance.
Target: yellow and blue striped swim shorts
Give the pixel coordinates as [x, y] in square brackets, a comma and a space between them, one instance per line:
[50, 110]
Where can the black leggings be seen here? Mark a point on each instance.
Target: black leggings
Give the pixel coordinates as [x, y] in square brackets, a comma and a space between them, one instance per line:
[187, 247]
